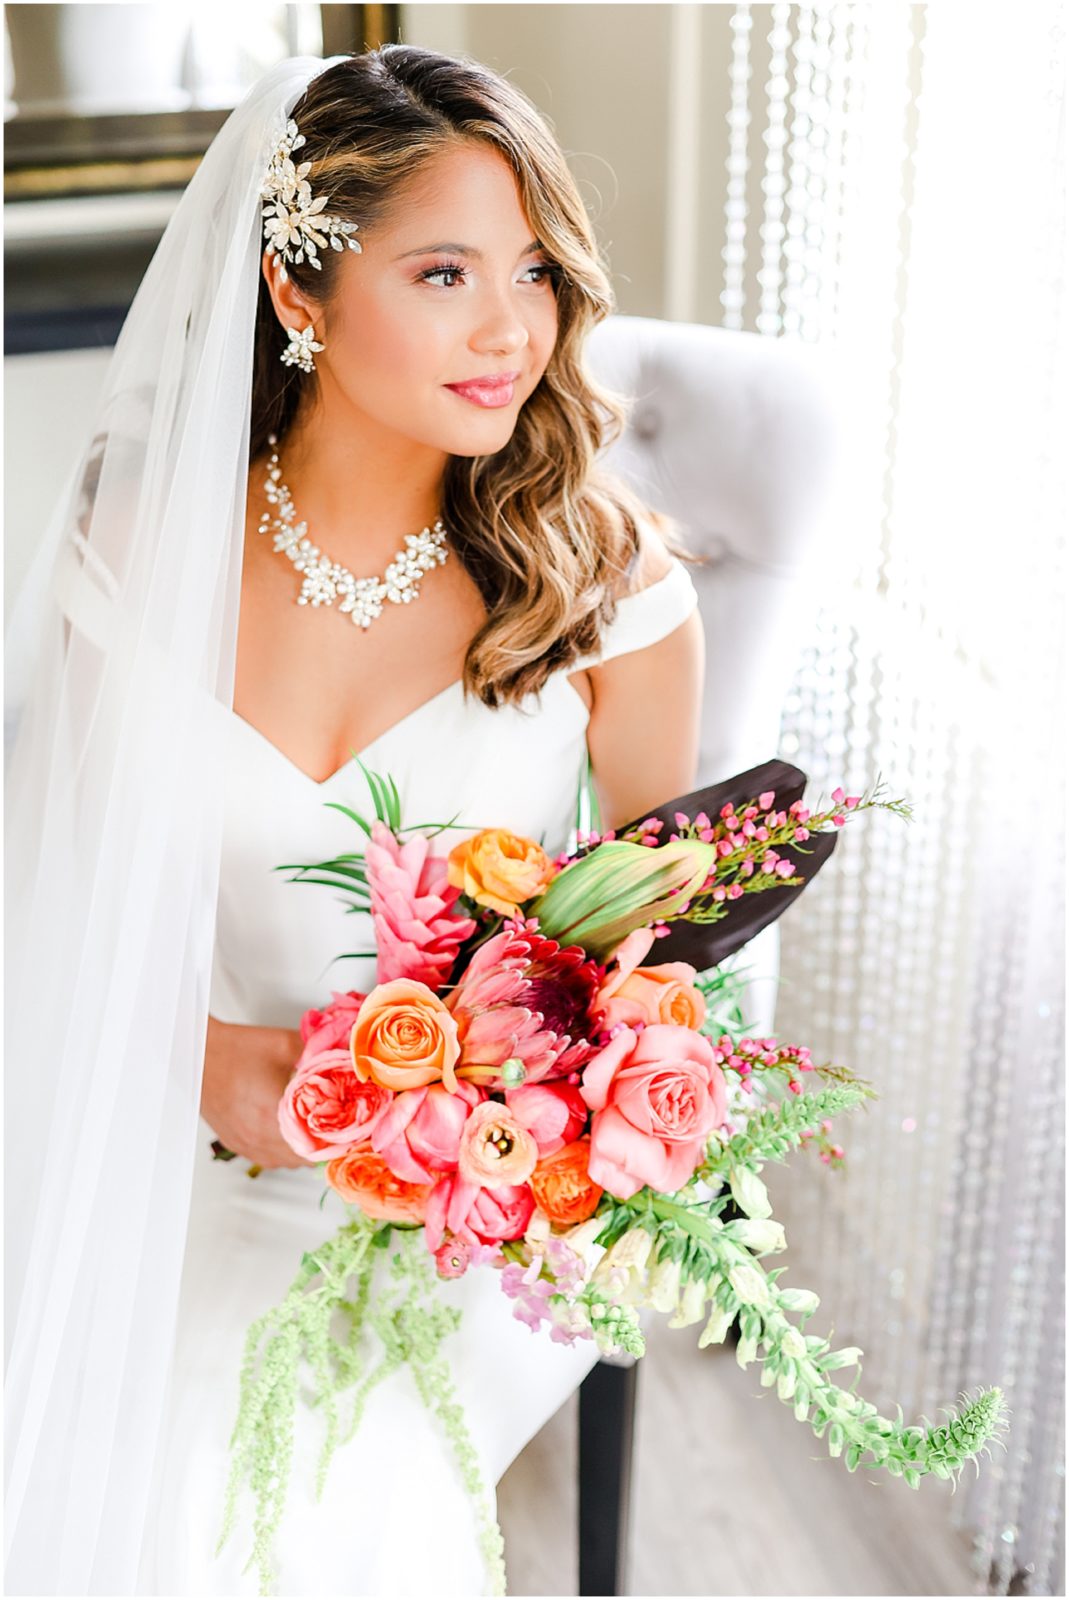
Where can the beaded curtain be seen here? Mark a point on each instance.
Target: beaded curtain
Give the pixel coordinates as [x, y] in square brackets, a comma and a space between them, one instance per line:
[894, 193]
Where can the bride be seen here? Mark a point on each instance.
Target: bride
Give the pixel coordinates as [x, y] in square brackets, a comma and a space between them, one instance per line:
[366, 322]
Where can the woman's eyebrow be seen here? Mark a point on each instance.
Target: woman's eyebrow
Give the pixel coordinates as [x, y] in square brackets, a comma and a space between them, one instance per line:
[463, 249]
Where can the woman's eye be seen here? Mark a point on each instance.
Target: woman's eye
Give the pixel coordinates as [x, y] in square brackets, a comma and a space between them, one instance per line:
[436, 272]
[454, 272]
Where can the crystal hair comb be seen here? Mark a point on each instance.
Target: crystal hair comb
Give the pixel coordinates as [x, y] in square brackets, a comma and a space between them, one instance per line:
[296, 227]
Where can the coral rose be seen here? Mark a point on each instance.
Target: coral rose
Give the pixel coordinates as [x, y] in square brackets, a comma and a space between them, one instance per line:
[499, 869]
[330, 1028]
[404, 1037]
[495, 1148]
[665, 993]
[325, 1108]
[562, 1185]
[482, 1216]
[363, 1179]
[656, 1097]
[418, 1135]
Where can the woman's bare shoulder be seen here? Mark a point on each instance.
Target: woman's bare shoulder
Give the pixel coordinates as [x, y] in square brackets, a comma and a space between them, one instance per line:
[654, 559]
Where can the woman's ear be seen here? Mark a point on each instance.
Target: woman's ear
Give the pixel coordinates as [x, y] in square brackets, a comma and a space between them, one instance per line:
[292, 308]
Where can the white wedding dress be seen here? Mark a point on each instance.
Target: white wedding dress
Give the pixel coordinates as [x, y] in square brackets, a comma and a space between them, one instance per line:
[395, 1518]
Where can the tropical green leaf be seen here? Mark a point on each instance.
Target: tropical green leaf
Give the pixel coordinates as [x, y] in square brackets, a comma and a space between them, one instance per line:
[378, 789]
[338, 867]
[328, 883]
[432, 827]
[394, 803]
[354, 816]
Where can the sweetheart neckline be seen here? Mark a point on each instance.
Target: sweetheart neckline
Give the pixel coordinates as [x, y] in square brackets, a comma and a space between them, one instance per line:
[322, 783]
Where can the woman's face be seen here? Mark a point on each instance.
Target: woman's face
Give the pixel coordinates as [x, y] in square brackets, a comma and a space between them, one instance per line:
[446, 291]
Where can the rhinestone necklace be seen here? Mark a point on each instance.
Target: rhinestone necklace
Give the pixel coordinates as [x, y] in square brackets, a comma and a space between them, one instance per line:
[326, 581]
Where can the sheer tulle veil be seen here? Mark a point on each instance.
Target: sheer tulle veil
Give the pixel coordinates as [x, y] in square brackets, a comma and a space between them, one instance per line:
[129, 622]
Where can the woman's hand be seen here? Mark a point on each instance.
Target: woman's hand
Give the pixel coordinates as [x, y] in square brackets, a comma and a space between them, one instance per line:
[245, 1071]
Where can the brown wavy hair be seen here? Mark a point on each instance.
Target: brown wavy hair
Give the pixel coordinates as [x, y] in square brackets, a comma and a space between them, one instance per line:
[550, 538]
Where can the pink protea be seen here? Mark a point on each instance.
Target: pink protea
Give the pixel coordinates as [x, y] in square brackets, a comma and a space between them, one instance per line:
[416, 934]
[524, 998]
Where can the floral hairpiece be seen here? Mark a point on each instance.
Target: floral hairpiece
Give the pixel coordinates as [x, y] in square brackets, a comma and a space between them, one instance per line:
[293, 218]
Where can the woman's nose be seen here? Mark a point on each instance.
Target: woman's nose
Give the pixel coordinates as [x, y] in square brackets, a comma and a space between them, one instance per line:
[500, 328]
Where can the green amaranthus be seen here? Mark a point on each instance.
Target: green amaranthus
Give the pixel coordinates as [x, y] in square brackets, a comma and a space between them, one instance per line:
[412, 1325]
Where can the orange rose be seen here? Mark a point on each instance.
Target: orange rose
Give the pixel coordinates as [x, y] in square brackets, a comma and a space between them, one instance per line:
[404, 1037]
[499, 869]
[363, 1179]
[562, 1185]
[664, 993]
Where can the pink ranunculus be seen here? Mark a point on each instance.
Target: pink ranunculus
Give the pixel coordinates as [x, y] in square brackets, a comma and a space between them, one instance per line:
[495, 1147]
[554, 1113]
[418, 1135]
[330, 1028]
[480, 1215]
[325, 1109]
[656, 1097]
[416, 934]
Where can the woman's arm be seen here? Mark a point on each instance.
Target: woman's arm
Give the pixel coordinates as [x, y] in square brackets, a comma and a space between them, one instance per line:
[646, 715]
[245, 1071]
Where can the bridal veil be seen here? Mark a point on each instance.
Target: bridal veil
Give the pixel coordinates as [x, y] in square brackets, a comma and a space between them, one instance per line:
[113, 841]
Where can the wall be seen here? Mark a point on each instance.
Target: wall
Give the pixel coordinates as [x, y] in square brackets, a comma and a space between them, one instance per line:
[600, 76]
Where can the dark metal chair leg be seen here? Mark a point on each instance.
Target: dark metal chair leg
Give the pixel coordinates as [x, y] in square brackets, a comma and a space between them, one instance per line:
[606, 1436]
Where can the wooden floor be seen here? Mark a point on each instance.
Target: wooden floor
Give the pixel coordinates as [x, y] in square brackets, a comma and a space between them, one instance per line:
[732, 1496]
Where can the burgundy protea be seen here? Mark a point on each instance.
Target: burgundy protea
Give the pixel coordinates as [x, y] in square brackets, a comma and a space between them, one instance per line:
[527, 1001]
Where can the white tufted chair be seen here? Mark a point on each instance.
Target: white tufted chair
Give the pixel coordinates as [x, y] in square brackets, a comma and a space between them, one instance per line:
[737, 437]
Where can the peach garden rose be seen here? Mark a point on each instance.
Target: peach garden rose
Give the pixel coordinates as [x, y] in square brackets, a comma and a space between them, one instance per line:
[363, 1179]
[499, 869]
[562, 1185]
[405, 1037]
[664, 993]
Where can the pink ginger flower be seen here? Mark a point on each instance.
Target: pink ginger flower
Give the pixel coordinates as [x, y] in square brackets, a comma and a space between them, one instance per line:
[524, 998]
[416, 934]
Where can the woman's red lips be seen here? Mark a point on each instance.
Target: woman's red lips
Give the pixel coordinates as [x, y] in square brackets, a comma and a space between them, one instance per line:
[496, 390]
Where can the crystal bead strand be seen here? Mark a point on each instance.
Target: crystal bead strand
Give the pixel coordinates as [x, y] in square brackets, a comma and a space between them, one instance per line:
[831, 43]
[768, 320]
[803, 202]
[733, 294]
[1002, 970]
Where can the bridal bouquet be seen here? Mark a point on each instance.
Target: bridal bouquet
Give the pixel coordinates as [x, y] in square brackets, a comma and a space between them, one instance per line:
[527, 1089]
